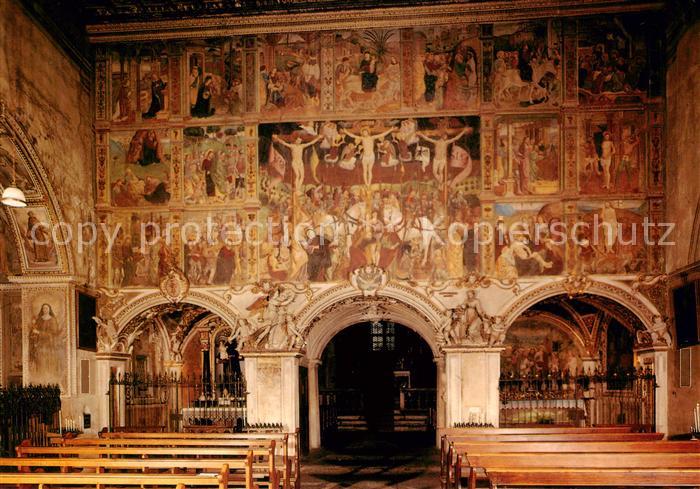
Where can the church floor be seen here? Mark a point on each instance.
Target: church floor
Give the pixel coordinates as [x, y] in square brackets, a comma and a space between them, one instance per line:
[370, 462]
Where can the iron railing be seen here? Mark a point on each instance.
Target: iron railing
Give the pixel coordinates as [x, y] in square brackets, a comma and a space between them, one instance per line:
[177, 403]
[580, 399]
[28, 413]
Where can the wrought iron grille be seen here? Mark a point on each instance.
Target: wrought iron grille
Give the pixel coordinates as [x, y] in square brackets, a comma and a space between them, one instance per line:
[177, 403]
[594, 399]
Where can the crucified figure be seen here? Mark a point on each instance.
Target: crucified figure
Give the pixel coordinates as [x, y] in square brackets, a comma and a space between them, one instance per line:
[367, 141]
[297, 148]
[441, 146]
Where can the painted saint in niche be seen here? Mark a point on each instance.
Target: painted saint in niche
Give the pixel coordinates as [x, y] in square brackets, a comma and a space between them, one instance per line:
[46, 340]
[35, 233]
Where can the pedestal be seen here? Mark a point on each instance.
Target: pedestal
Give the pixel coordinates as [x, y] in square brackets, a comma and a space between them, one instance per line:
[106, 364]
[272, 381]
[657, 358]
[471, 393]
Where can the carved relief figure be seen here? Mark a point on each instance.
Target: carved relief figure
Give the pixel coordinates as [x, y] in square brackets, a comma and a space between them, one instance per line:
[367, 70]
[140, 168]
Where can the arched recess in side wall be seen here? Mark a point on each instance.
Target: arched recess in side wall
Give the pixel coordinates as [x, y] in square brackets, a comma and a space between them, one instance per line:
[636, 312]
[640, 306]
[16, 148]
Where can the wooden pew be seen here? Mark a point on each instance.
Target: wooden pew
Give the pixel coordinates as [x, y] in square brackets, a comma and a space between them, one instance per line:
[246, 467]
[448, 434]
[452, 445]
[180, 481]
[244, 442]
[468, 452]
[288, 444]
[497, 461]
[266, 454]
[619, 477]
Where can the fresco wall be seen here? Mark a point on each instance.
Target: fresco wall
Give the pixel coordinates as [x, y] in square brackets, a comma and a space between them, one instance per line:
[378, 146]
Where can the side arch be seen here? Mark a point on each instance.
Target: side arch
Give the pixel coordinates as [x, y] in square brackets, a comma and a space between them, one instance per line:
[635, 302]
[41, 194]
[145, 302]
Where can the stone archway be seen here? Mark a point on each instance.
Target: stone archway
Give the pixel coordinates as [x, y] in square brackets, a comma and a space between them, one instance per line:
[342, 307]
[652, 339]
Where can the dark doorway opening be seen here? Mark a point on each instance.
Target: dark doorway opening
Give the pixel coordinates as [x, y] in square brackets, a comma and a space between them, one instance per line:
[377, 383]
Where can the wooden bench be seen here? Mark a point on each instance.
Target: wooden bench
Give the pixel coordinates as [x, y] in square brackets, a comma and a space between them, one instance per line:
[219, 479]
[468, 452]
[452, 444]
[245, 468]
[288, 444]
[608, 476]
[261, 456]
[447, 434]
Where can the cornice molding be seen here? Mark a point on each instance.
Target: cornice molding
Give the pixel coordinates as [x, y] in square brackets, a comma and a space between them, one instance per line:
[395, 17]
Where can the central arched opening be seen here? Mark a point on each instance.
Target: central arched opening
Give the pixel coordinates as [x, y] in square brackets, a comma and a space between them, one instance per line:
[377, 383]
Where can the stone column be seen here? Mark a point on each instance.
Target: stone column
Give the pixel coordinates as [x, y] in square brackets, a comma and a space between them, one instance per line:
[441, 395]
[104, 365]
[656, 357]
[272, 381]
[314, 406]
[471, 393]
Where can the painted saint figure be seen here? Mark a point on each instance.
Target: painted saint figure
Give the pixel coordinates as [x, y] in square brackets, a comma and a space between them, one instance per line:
[607, 149]
[157, 97]
[46, 360]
